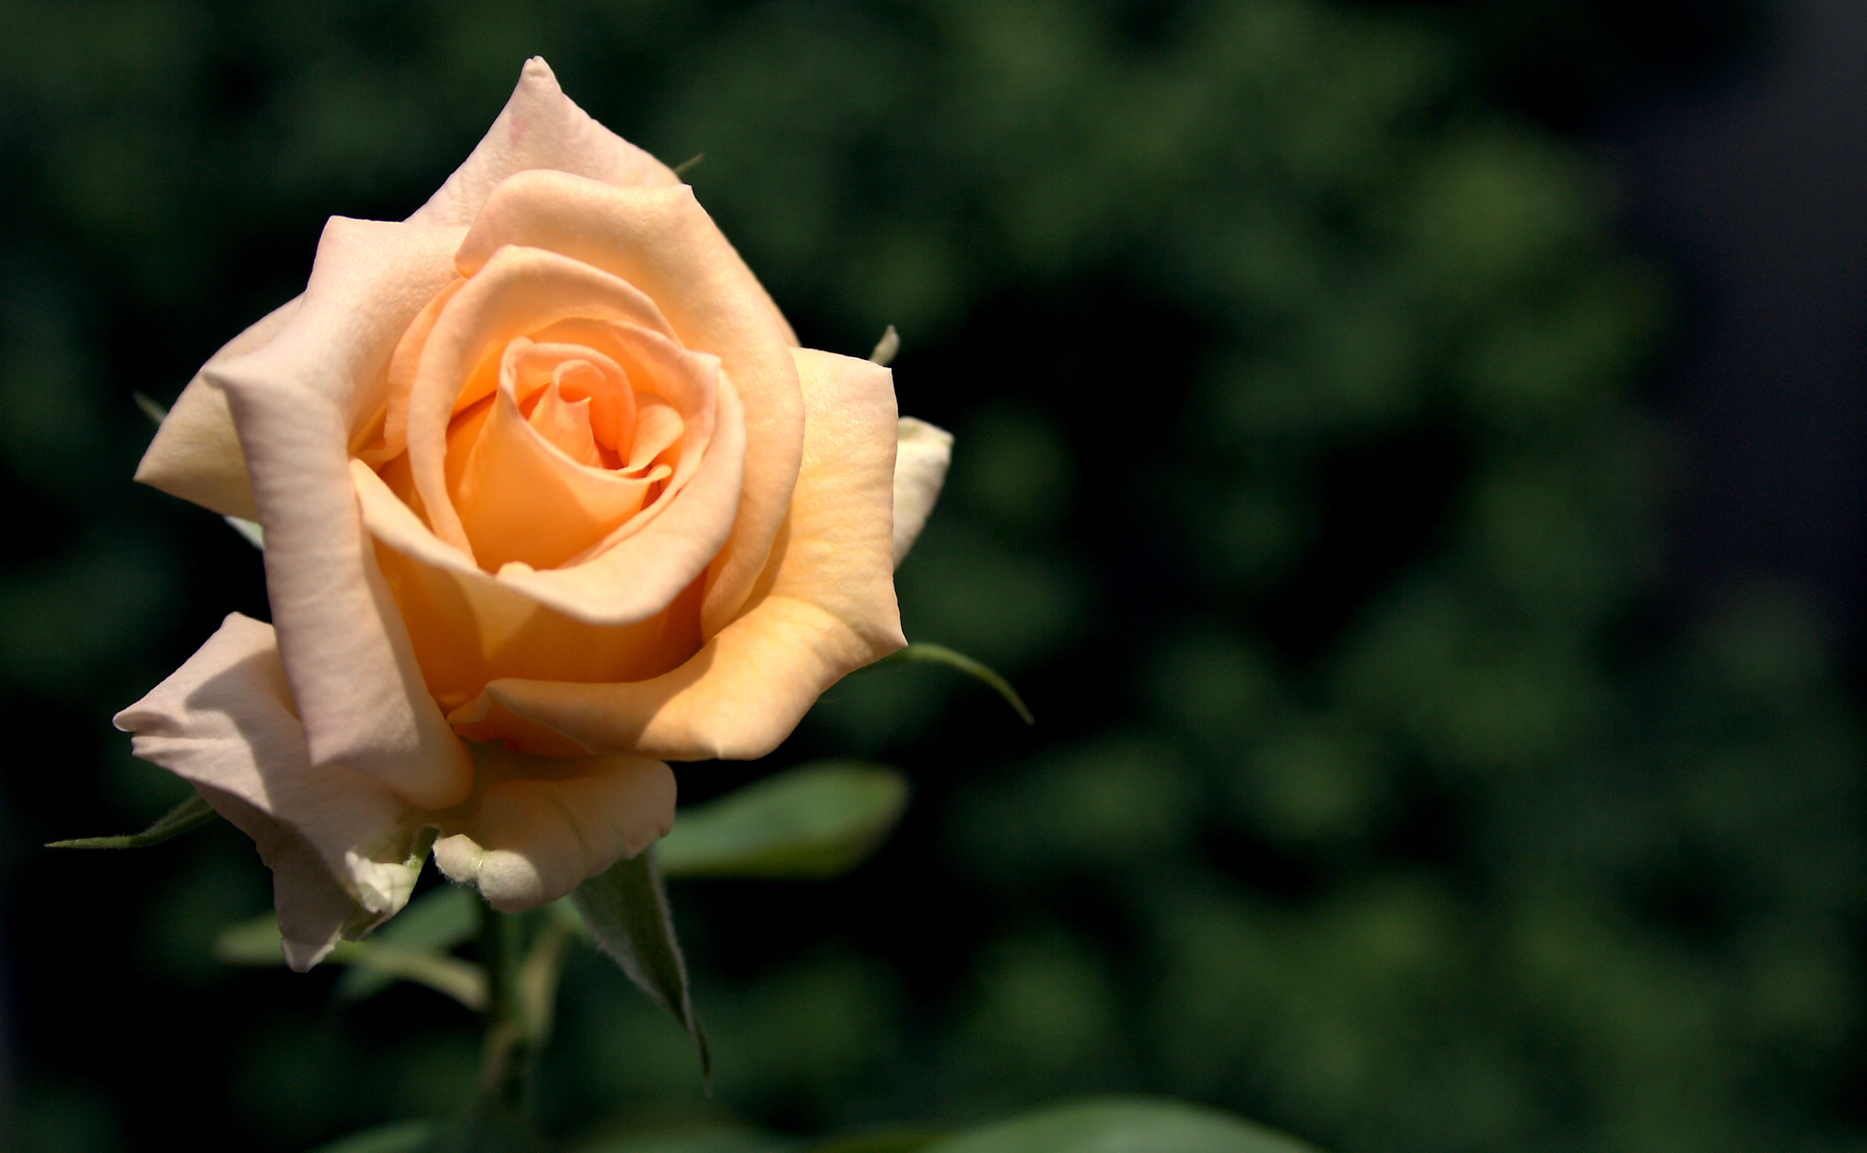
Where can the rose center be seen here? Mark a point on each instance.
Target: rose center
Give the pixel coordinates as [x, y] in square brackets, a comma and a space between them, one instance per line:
[577, 399]
[573, 441]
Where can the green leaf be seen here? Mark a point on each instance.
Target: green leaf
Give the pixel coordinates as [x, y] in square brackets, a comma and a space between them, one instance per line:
[190, 814]
[689, 1140]
[487, 1126]
[817, 820]
[251, 942]
[625, 909]
[256, 942]
[434, 923]
[1121, 1125]
[401, 1137]
[941, 655]
[889, 1141]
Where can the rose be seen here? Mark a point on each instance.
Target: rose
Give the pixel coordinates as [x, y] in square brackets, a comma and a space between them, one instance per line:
[550, 497]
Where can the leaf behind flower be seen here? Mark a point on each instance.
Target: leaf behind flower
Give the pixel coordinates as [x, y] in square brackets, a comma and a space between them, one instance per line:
[400, 1137]
[817, 820]
[1121, 1125]
[709, 1139]
[256, 942]
[433, 923]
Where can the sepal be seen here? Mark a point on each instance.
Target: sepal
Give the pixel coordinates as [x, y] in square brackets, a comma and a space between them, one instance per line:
[190, 814]
[921, 653]
[625, 908]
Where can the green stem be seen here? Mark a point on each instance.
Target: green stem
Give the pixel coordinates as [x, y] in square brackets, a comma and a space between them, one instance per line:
[508, 1054]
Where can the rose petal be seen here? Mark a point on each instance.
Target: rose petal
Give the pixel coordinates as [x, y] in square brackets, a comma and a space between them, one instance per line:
[650, 558]
[357, 687]
[536, 833]
[922, 454]
[540, 127]
[522, 498]
[628, 581]
[824, 607]
[662, 242]
[469, 627]
[196, 452]
[338, 843]
[520, 292]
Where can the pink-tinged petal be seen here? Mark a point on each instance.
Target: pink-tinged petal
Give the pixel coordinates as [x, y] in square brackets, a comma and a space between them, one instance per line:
[540, 127]
[544, 824]
[196, 453]
[339, 844]
[824, 607]
[358, 690]
[469, 627]
[921, 458]
[379, 442]
[664, 243]
[368, 282]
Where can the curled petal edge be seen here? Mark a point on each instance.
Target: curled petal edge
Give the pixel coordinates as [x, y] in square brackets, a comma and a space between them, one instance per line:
[344, 850]
[542, 825]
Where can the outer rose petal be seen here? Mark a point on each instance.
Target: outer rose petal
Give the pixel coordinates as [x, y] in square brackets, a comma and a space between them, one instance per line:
[346, 653]
[338, 843]
[825, 606]
[921, 458]
[196, 453]
[540, 127]
[535, 833]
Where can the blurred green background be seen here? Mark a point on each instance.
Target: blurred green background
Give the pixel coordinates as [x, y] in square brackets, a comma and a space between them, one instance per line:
[1305, 484]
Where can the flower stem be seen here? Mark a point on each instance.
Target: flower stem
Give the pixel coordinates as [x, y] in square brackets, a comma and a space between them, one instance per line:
[508, 1055]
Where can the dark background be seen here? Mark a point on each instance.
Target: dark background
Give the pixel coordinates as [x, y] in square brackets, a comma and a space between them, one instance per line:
[1410, 457]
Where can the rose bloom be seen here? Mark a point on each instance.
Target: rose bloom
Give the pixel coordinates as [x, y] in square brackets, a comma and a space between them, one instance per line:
[551, 496]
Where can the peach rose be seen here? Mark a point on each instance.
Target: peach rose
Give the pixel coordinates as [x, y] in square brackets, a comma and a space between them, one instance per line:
[550, 496]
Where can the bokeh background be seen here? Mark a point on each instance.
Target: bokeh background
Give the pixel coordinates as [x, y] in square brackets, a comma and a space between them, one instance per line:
[1409, 458]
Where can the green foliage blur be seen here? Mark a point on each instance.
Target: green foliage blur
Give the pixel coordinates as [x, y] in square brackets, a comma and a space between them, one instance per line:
[1302, 486]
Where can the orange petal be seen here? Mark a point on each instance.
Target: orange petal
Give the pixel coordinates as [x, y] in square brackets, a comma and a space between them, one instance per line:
[824, 607]
[522, 498]
[626, 580]
[664, 243]
[469, 627]
[521, 291]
